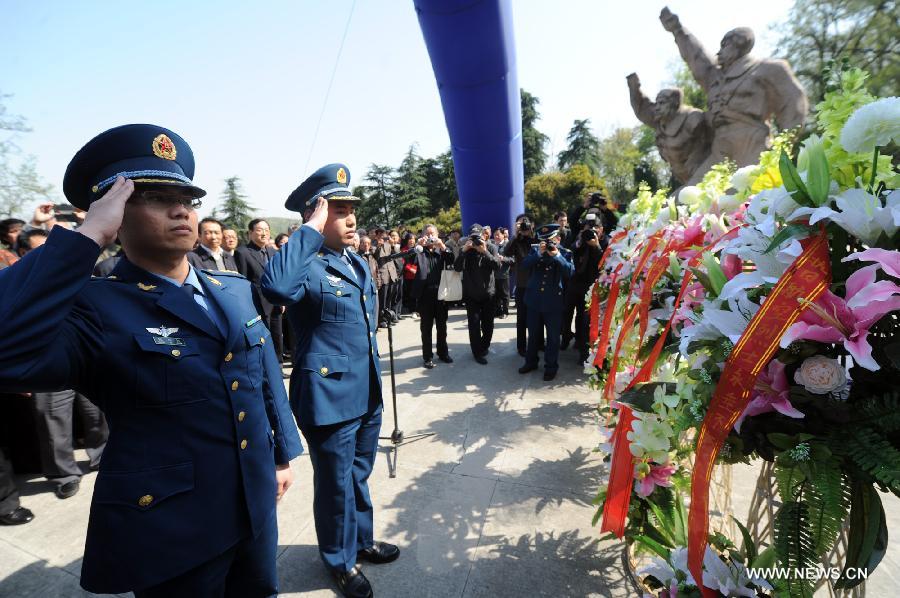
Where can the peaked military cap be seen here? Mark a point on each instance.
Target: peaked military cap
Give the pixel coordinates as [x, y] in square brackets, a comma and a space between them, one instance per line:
[331, 182]
[146, 154]
[548, 232]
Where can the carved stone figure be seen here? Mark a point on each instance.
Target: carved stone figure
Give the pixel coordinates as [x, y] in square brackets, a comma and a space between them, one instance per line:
[744, 93]
[683, 134]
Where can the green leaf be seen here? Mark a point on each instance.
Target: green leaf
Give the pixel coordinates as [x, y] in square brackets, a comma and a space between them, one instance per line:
[654, 546]
[867, 541]
[792, 181]
[764, 559]
[789, 231]
[749, 546]
[784, 442]
[818, 179]
[640, 398]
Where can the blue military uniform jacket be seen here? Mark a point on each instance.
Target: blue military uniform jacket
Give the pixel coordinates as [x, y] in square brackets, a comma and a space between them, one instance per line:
[198, 419]
[545, 283]
[333, 315]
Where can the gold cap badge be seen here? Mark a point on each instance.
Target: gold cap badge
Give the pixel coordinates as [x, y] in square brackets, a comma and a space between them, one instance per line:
[164, 148]
[342, 176]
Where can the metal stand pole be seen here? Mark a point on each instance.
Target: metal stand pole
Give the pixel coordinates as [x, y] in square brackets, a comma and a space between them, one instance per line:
[397, 439]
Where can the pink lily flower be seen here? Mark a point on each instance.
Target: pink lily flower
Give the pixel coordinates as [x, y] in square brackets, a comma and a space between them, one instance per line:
[660, 475]
[770, 393]
[888, 260]
[732, 265]
[832, 319]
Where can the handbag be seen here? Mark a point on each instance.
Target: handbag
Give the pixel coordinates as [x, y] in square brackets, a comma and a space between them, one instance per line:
[450, 288]
[409, 270]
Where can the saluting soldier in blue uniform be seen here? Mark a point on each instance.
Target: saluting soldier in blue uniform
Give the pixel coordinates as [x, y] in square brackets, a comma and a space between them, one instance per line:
[201, 433]
[336, 382]
[544, 298]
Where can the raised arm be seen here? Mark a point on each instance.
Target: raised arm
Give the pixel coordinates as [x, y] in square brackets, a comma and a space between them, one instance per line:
[641, 104]
[287, 275]
[702, 65]
[48, 336]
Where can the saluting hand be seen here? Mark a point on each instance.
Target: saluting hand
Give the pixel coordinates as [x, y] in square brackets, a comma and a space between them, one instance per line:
[103, 219]
[319, 215]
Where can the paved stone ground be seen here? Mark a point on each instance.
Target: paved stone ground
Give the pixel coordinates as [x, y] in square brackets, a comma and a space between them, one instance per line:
[496, 503]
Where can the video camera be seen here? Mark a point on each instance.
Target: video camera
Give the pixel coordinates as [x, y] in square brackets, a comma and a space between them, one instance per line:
[525, 225]
[65, 212]
[476, 239]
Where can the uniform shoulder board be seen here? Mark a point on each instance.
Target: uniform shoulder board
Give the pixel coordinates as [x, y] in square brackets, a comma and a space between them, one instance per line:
[232, 273]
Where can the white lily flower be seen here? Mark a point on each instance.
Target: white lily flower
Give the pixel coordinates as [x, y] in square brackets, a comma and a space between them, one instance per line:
[730, 578]
[716, 322]
[766, 205]
[744, 177]
[666, 572]
[750, 245]
[861, 214]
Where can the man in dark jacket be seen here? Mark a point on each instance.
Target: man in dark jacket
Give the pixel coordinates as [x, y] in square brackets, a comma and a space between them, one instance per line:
[251, 261]
[209, 254]
[433, 312]
[586, 259]
[478, 266]
[518, 248]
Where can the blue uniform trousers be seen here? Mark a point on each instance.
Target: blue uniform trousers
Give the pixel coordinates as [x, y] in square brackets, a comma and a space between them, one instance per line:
[246, 570]
[537, 321]
[342, 456]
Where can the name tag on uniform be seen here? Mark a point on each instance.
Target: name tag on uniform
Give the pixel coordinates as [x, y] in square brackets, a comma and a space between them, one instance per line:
[250, 323]
[168, 340]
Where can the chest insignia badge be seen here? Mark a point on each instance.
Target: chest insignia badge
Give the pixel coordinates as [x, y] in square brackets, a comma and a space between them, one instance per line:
[146, 287]
[162, 331]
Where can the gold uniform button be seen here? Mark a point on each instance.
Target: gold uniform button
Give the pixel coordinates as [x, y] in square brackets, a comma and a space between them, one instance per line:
[242, 415]
[338, 293]
[176, 353]
[229, 357]
[145, 500]
[243, 444]
[234, 385]
[323, 370]
[371, 334]
[262, 340]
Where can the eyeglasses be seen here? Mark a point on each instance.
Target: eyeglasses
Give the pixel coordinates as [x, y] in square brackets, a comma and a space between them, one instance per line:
[164, 199]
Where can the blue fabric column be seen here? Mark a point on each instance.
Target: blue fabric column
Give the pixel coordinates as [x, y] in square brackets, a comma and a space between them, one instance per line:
[473, 54]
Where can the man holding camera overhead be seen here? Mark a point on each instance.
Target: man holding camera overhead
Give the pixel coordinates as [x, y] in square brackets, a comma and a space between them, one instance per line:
[478, 265]
[544, 298]
[431, 261]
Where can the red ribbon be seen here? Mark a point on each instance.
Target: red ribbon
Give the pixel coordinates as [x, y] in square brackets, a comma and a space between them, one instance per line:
[621, 476]
[603, 345]
[806, 278]
[594, 314]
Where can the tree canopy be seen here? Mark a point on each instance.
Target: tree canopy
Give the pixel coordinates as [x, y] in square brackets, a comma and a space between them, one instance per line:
[234, 211]
[583, 147]
[533, 141]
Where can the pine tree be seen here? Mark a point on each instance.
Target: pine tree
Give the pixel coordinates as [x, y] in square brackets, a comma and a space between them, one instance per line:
[584, 148]
[235, 211]
[440, 181]
[377, 207]
[410, 191]
[533, 140]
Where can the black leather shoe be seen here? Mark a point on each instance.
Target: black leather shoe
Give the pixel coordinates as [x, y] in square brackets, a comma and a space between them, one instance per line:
[445, 358]
[429, 364]
[379, 553]
[69, 489]
[17, 517]
[480, 359]
[353, 584]
[527, 368]
[548, 376]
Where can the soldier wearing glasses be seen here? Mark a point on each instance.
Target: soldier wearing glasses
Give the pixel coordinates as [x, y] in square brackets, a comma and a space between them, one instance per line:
[201, 433]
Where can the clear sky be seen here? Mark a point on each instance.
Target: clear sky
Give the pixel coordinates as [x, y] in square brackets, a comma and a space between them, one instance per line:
[245, 82]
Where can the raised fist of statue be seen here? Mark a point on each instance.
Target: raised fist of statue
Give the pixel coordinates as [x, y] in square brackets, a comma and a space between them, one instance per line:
[634, 81]
[669, 20]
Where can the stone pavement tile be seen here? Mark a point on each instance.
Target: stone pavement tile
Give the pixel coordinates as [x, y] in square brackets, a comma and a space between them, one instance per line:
[295, 509]
[23, 575]
[540, 544]
[59, 527]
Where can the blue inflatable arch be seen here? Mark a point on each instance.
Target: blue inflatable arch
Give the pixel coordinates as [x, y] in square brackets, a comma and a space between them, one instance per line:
[472, 51]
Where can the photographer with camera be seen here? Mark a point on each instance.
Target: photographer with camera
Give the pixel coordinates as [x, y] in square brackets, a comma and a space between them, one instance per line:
[544, 297]
[478, 265]
[434, 258]
[596, 200]
[588, 251]
[518, 248]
